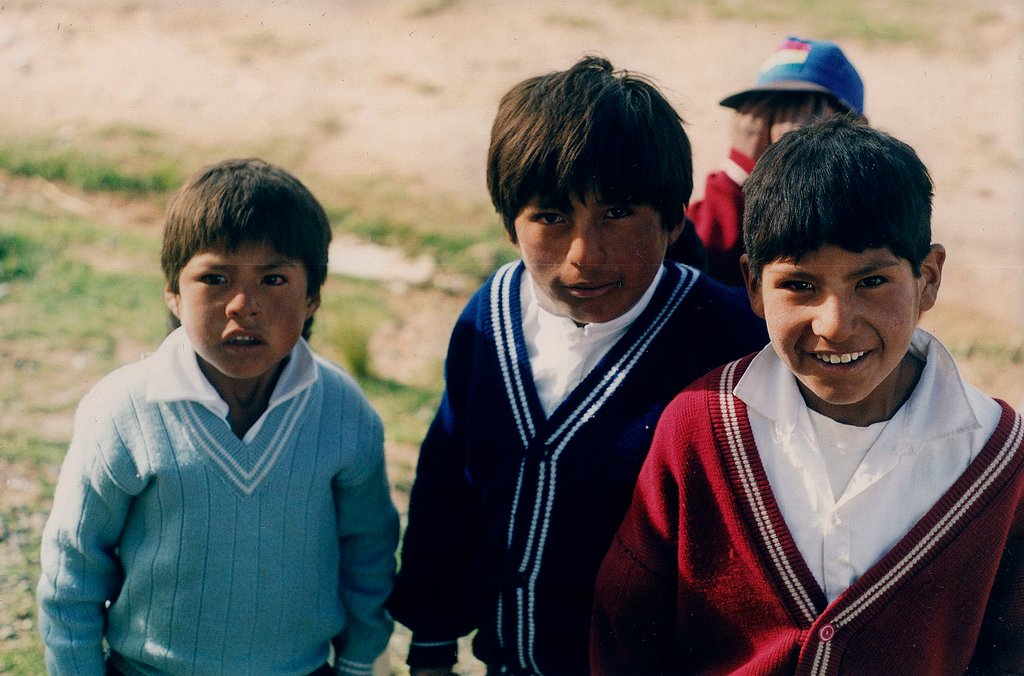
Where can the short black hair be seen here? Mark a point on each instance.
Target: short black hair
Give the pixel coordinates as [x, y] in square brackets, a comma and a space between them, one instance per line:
[589, 130]
[234, 202]
[837, 182]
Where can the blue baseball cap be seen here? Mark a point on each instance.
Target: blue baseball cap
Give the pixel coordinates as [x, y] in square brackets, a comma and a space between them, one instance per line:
[807, 65]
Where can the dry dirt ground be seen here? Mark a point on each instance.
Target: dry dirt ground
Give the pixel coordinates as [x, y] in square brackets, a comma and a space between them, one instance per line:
[408, 89]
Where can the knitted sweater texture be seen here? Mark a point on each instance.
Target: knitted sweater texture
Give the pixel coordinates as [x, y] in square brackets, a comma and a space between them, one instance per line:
[216, 556]
[704, 577]
[511, 511]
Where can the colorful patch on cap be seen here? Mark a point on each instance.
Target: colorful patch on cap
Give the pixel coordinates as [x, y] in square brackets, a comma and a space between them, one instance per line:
[791, 53]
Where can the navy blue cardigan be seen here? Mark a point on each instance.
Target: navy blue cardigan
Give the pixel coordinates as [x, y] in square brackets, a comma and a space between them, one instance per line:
[511, 512]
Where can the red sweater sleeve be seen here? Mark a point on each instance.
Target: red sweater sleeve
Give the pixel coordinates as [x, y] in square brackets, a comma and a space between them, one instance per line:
[718, 218]
[635, 596]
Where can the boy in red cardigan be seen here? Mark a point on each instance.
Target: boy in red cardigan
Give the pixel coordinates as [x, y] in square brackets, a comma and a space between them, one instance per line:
[842, 502]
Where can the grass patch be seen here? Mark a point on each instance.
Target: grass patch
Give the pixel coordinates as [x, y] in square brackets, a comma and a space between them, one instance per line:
[872, 21]
[465, 238]
[428, 8]
[27, 448]
[572, 21]
[19, 257]
[350, 311]
[91, 173]
[406, 410]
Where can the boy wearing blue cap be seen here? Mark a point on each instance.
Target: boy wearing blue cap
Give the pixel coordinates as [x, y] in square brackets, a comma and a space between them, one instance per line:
[842, 502]
[800, 82]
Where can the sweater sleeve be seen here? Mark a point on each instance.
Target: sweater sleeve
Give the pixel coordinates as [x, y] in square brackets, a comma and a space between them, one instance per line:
[80, 569]
[635, 596]
[440, 540]
[368, 533]
[718, 218]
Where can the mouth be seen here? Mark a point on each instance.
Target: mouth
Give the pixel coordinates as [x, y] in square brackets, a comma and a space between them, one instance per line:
[243, 340]
[585, 290]
[838, 358]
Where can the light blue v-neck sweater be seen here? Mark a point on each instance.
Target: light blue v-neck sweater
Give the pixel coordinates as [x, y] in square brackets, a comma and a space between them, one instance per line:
[217, 556]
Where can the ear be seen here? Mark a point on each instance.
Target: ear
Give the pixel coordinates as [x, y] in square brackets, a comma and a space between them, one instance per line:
[753, 286]
[173, 302]
[678, 228]
[931, 276]
[312, 304]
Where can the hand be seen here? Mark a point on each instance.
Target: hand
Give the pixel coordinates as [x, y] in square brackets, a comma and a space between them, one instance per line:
[751, 127]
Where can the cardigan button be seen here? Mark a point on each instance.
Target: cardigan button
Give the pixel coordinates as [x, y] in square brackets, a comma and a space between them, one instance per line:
[826, 633]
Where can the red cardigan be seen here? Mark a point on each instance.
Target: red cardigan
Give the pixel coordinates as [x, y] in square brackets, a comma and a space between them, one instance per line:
[704, 577]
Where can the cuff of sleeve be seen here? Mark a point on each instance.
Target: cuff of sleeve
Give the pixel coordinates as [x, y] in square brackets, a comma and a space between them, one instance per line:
[741, 160]
[350, 668]
[432, 654]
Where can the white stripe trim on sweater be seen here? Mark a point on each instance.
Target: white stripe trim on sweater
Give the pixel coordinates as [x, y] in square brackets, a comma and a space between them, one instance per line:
[755, 499]
[508, 357]
[247, 480]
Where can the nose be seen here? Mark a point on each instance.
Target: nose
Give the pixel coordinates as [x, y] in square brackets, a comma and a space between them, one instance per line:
[243, 303]
[835, 319]
[587, 245]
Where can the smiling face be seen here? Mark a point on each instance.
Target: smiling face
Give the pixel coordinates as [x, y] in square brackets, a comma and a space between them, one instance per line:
[243, 311]
[842, 322]
[591, 261]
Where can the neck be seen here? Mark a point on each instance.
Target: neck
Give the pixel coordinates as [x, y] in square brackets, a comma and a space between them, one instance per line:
[247, 399]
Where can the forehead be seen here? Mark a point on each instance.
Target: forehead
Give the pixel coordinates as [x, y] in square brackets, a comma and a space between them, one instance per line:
[246, 253]
[830, 260]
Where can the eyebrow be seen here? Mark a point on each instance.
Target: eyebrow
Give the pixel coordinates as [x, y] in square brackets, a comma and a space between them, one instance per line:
[281, 263]
[794, 270]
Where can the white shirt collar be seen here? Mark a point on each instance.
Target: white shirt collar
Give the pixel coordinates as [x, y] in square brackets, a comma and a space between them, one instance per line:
[938, 407]
[177, 377]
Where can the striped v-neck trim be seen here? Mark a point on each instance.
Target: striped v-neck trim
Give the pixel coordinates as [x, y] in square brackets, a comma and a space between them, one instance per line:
[243, 465]
[983, 479]
[588, 398]
[802, 596]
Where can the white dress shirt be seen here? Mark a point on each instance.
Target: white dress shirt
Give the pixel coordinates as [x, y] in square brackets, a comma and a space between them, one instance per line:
[562, 353]
[849, 494]
[178, 378]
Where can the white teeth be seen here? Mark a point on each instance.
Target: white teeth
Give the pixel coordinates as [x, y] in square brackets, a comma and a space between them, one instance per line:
[840, 358]
[247, 340]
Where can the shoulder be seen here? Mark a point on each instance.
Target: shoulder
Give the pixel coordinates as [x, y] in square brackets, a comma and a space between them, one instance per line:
[122, 388]
[342, 389]
[713, 296]
[713, 319]
[498, 288]
[706, 397]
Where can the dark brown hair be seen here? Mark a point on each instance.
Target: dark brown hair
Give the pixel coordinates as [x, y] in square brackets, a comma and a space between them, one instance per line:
[837, 182]
[233, 202]
[586, 131]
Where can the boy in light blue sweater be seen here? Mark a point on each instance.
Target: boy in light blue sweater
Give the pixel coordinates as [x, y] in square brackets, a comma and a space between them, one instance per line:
[224, 507]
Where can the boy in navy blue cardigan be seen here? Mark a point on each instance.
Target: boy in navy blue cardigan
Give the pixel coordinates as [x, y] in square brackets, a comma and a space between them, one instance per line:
[557, 371]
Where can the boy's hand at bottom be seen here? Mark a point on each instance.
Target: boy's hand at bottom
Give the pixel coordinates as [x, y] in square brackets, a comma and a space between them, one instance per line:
[751, 128]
